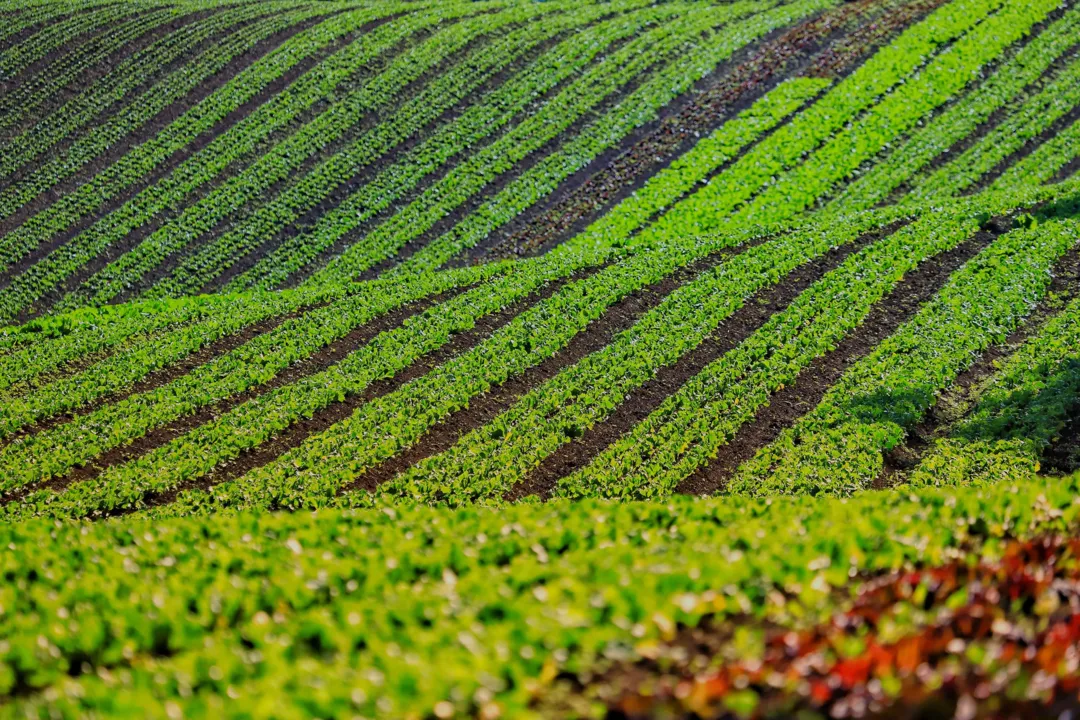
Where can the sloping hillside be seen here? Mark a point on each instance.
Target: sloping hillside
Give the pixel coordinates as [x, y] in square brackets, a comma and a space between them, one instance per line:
[637, 359]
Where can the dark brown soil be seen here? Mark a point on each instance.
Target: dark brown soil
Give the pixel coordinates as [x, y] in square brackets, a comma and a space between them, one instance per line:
[639, 404]
[795, 400]
[1063, 457]
[574, 206]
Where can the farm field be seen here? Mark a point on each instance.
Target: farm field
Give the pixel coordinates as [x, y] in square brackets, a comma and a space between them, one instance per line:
[503, 358]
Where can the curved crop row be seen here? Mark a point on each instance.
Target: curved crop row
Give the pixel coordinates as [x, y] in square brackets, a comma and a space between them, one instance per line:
[896, 114]
[207, 261]
[120, 85]
[837, 447]
[541, 179]
[378, 93]
[30, 285]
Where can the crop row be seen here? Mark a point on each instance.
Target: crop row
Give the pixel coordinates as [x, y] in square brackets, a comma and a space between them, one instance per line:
[1044, 162]
[1018, 413]
[380, 92]
[194, 271]
[962, 118]
[414, 611]
[201, 167]
[837, 448]
[898, 113]
[26, 99]
[708, 208]
[53, 452]
[718, 400]
[287, 156]
[1021, 125]
[120, 86]
[641, 106]
[706, 412]
[497, 109]
[57, 35]
[666, 187]
[531, 133]
[46, 345]
[254, 421]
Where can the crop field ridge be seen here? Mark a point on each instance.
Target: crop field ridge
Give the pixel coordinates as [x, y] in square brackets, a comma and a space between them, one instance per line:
[507, 359]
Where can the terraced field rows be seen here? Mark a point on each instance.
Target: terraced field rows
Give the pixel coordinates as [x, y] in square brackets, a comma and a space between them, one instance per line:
[500, 286]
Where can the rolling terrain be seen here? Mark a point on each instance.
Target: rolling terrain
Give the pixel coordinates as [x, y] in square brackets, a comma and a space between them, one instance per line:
[623, 359]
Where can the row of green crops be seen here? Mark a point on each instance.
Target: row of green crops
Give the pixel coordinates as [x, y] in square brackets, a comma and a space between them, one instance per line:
[418, 612]
[223, 36]
[838, 447]
[501, 453]
[706, 412]
[1044, 162]
[379, 92]
[451, 139]
[494, 110]
[276, 197]
[313, 473]
[33, 17]
[1018, 412]
[961, 118]
[693, 167]
[227, 147]
[253, 363]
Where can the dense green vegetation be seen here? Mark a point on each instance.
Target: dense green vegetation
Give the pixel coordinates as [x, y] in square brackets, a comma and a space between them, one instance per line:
[297, 420]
